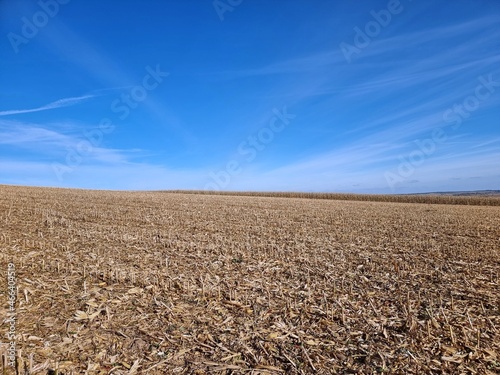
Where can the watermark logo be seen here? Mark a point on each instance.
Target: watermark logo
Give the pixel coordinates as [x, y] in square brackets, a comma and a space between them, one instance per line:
[122, 107]
[364, 36]
[11, 313]
[427, 147]
[30, 27]
[249, 148]
[461, 111]
[224, 6]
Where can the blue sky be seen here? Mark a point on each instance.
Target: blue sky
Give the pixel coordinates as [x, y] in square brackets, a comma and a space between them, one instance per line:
[349, 96]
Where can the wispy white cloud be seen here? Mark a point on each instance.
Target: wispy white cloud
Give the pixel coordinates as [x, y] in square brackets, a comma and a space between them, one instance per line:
[291, 66]
[488, 142]
[47, 142]
[14, 133]
[335, 60]
[452, 34]
[66, 102]
[433, 175]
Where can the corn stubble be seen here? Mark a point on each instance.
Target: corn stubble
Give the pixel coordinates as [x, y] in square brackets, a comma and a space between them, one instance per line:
[153, 283]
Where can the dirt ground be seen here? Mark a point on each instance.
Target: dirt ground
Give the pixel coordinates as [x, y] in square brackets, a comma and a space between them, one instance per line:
[158, 282]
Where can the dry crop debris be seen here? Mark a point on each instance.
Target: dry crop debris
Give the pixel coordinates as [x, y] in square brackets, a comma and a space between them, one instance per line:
[154, 283]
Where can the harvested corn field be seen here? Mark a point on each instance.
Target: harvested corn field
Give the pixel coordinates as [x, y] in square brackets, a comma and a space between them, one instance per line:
[158, 282]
